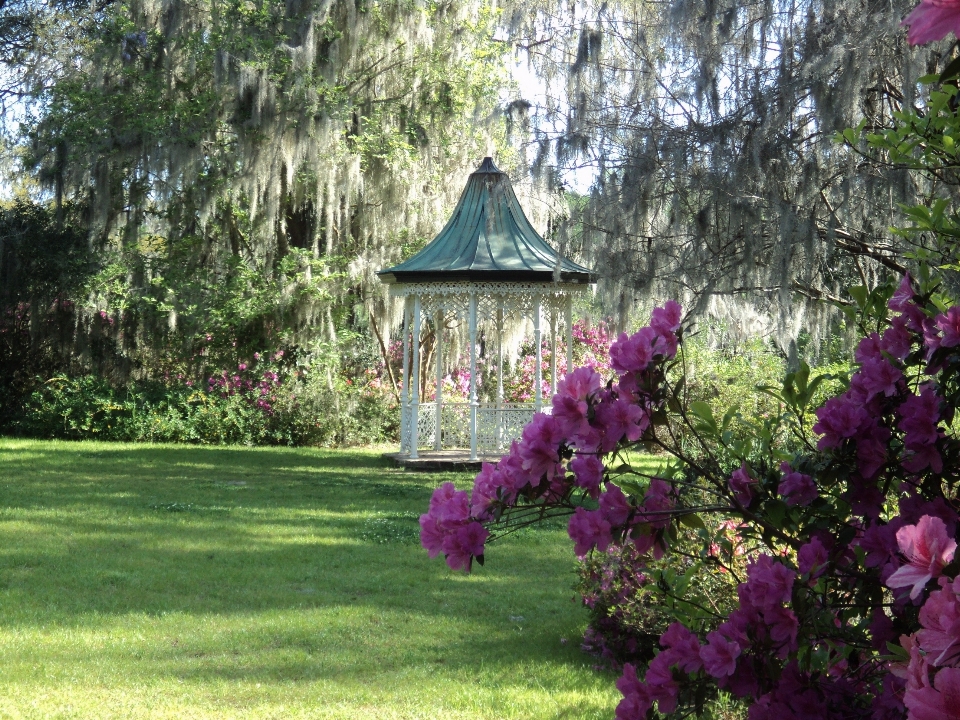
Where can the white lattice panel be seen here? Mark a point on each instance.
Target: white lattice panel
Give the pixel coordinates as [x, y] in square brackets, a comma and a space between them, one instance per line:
[497, 425]
[426, 425]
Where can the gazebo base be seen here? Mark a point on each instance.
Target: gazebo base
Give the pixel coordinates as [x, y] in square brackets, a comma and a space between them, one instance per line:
[441, 460]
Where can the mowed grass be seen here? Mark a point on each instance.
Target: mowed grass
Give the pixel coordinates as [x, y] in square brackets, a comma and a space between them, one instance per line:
[148, 581]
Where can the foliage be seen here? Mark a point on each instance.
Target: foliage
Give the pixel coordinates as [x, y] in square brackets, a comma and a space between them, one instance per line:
[266, 401]
[44, 264]
[242, 168]
[704, 132]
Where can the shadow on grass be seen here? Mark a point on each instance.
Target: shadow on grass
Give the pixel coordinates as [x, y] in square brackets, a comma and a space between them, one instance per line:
[90, 528]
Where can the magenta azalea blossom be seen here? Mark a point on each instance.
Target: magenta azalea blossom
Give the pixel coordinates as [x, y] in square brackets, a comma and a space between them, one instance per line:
[796, 488]
[657, 502]
[740, 485]
[812, 558]
[635, 352]
[719, 655]
[461, 546]
[927, 548]
[949, 324]
[660, 683]
[769, 583]
[614, 506]
[942, 703]
[588, 529]
[431, 535]
[589, 473]
[932, 20]
[940, 619]
[449, 505]
[579, 384]
[636, 696]
[683, 646]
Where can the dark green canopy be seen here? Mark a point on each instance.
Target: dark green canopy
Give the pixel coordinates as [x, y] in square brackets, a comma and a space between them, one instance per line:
[487, 239]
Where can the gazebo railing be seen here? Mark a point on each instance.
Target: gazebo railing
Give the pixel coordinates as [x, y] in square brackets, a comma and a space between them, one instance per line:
[498, 424]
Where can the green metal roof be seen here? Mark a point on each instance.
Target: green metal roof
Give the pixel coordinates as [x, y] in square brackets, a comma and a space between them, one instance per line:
[487, 239]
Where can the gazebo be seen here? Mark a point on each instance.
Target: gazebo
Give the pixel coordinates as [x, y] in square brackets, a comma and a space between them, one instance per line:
[489, 267]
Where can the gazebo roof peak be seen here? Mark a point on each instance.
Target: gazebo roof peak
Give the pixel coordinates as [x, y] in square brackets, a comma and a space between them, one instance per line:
[487, 239]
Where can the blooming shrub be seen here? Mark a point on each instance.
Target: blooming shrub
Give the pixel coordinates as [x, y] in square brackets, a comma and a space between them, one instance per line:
[267, 399]
[848, 605]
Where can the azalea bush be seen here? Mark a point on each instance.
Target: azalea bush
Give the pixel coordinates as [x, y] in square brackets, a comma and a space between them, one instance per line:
[845, 602]
[268, 399]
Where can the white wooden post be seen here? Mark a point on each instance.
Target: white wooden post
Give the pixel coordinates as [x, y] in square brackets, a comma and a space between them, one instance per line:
[569, 319]
[500, 412]
[405, 399]
[474, 404]
[439, 393]
[415, 380]
[538, 375]
[553, 351]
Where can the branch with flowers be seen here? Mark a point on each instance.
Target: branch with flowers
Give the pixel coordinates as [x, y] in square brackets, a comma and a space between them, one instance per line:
[848, 607]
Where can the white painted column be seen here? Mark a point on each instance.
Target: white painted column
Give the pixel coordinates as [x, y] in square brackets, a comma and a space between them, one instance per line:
[553, 351]
[500, 356]
[474, 403]
[439, 393]
[501, 413]
[405, 398]
[538, 341]
[569, 323]
[415, 380]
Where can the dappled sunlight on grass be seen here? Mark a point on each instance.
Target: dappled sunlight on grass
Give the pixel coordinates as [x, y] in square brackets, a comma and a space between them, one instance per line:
[150, 581]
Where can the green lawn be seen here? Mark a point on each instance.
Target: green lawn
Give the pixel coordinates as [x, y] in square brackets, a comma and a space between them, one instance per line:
[147, 581]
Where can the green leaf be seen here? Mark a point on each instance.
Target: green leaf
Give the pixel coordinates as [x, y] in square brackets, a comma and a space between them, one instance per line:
[692, 521]
[859, 294]
[703, 411]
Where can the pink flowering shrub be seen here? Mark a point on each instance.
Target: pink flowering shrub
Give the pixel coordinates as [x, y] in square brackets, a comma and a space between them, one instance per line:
[845, 604]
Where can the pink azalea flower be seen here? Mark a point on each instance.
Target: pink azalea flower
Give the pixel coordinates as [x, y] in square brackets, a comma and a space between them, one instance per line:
[588, 529]
[657, 502]
[684, 646]
[636, 697]
[838, 419]
[783, 625]
[812, 558]
[769, 583]
[571, 415]
[614, 506]
[927, 549]
[633, 353]
[589, 473]
[620, 419]
[942, 703]
[485, 486]
[868, 349]
[719, 655]
[660, 683]
[796, 488]
[896, 339]
[940, 620]
[462, 545]
[580, 384]
[741, 485]
[667, 319]
[949, 323]
[930, 21]
[449, 505]
[539, 460]
[878, 377]
[431, 535]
